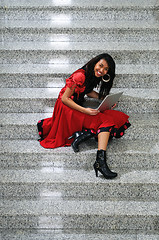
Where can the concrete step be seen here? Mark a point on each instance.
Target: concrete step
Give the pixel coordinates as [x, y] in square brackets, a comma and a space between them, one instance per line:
[81, 35]
[122, 154]
[78, 31]
[80, 11]
[67, 68]
[28, 100]
[77, 52]
[44, 80]
[87, 215]
[54, 75]
[82, 235]
[73, 13]
[24, 126]
[50, 182]
[74, 4]
[78, 25]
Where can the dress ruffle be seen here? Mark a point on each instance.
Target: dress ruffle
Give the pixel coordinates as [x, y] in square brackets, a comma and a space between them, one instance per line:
[75, 81]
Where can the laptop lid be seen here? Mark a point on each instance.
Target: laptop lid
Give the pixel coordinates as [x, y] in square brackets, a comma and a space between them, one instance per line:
[109, 101]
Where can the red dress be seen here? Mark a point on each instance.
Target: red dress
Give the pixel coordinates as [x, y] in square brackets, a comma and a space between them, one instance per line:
[55, 131]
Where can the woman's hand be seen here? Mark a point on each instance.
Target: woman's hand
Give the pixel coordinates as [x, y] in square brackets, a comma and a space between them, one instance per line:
[91, 111]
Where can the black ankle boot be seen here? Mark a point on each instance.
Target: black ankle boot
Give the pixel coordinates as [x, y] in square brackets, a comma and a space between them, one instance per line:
[101, 165]
[80, 137]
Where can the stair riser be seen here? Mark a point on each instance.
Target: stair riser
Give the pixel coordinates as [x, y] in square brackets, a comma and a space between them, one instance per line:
[30, 132]
[98, 13]
[81, 35]
[58, 80]
[80, 222]
[77, 235]
[130, 105]
[76, 57]
[119, 161]
[83, 191]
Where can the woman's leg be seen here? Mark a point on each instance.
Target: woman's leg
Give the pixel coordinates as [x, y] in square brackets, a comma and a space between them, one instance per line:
[103, 138]
[100, 163]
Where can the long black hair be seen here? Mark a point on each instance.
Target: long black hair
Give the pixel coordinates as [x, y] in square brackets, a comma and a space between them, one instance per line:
[92, 81]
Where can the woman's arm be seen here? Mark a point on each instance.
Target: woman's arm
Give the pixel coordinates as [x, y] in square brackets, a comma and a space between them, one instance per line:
[66, 99]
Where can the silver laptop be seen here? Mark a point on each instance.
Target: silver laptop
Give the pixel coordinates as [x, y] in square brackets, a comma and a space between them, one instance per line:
[109, 101]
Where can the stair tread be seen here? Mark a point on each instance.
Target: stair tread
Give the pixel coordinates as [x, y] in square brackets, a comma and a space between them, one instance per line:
[54, 235]
[74, 3]
[50, 93]
[80, 24]
[79, 46]
[67, 68]
[33, 146]
[58, 175]
[62, 207]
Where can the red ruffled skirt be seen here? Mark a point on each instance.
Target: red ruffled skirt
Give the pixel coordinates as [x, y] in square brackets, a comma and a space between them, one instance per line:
[55, 131]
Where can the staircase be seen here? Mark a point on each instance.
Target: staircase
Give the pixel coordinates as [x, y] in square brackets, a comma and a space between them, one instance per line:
[54, 193]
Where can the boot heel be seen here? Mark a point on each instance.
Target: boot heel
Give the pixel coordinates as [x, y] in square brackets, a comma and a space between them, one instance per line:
[75, 135]
[96, 171]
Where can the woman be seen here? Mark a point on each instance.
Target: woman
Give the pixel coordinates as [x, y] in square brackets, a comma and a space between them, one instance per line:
[72, 123]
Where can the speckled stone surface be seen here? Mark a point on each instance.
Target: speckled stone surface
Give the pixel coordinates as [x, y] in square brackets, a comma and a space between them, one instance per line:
[77, 52]
[55, 182]
[26, 100]
[52, 235]
[73, 13]
[123, 154]
[54, 193]
[76, 25]
[86, 3]
[23, 126]
[89, 35]
[68, 68]
[58, 80]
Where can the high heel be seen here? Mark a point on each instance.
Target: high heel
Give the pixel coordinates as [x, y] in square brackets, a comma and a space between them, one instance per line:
[75, 135]
[96, 171]
[101, 166]
[80, 136]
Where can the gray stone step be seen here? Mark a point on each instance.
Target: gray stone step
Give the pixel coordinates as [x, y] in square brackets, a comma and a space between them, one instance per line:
[78, 25]
[77, 52]
[31, 80]
[82, 10]
[23, 126]
[81, 35]
[42, 100]
[82, 235]
[73, 3]
[78, 46]
[67, 68]
[18, 30]
[54, 75]
[124, 154]
[88, 215]
[49, 182]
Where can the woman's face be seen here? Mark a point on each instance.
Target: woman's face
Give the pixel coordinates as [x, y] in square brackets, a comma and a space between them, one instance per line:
[101, 68]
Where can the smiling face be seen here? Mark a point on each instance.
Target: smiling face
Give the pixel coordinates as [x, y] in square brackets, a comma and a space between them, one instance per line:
[101, 68]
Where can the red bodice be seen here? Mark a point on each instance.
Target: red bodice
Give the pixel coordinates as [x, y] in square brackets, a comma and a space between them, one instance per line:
[77, 81]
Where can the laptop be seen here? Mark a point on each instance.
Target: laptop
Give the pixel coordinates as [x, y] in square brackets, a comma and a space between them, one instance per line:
[109, 101]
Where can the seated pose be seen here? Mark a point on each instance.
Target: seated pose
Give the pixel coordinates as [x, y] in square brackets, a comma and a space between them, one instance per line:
[72, 123]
